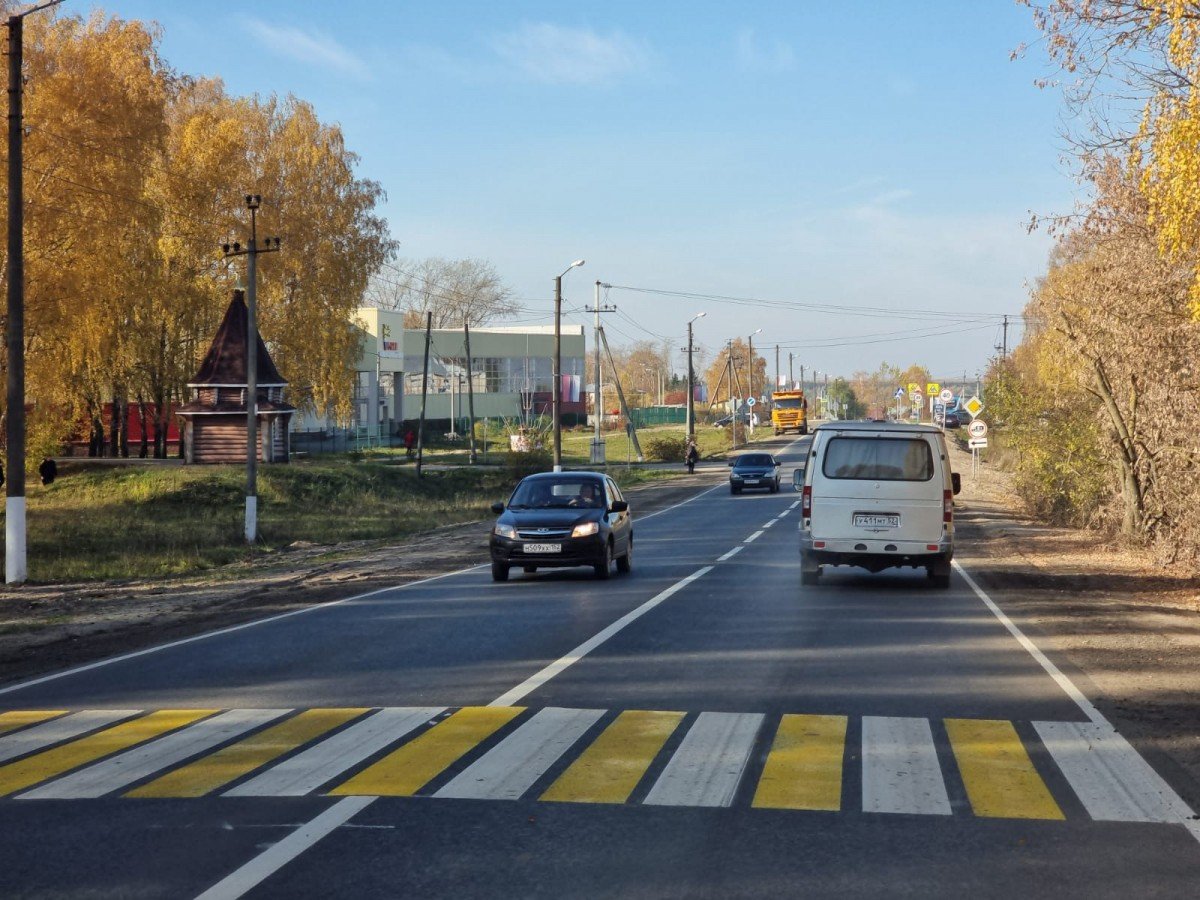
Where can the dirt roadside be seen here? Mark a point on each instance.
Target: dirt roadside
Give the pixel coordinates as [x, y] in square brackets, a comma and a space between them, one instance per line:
[1124, 629]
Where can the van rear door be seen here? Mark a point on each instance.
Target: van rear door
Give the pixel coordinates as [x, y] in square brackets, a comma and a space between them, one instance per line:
[878, 487]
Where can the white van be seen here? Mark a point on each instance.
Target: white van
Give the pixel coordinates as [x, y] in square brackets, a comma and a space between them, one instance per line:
[877, 495]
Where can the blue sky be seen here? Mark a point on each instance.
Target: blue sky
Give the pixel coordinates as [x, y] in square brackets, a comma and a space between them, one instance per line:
[879, 155]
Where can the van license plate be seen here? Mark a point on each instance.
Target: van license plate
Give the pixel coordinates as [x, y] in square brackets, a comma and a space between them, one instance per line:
[876, 520]
[543, 548]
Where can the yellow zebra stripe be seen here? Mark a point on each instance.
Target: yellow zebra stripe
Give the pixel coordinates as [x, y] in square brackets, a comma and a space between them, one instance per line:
[610, 769]
[212, 772]
[1000, 779]
[804, 768]
[10, 721]
[405, 771]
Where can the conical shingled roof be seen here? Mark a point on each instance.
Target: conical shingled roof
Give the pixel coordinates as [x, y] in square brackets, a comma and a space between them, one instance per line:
[226, 360]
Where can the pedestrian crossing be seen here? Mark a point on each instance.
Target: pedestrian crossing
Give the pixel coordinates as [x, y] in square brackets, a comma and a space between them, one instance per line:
[876, 765]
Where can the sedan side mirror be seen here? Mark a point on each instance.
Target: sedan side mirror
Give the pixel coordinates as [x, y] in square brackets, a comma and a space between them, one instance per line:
[730, 463]
[798, 479]
[956, 482]
[620, 505]
[778, 464]
[497, 508]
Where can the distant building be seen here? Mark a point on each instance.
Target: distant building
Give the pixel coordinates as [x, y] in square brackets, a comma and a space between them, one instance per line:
[214, 418]
[511, 373]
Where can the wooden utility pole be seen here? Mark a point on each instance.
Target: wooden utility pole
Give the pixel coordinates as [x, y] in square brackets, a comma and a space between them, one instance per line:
[633, 438]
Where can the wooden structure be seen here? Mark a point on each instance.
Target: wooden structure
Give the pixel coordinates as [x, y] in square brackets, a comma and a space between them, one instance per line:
[214, 419]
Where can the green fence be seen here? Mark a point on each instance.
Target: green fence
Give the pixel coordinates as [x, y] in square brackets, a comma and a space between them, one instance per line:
[658, 415]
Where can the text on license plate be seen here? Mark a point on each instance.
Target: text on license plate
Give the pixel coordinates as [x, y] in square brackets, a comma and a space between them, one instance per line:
[876, 520]
[543, 548]
[751, 481]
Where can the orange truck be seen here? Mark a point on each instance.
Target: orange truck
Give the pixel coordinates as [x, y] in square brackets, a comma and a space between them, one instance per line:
[789, 410]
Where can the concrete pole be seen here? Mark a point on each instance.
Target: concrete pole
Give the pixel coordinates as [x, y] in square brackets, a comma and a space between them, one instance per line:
[252, 379]
[15, 571]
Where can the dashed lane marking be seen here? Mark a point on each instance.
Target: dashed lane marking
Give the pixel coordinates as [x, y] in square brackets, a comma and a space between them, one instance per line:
[731, 554]
[754, 537]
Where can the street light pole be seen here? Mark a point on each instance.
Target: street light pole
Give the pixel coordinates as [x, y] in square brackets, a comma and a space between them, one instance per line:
[691, 383]
[750, 376]
[556, 409]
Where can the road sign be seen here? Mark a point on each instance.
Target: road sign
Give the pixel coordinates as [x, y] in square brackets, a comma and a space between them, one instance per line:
[974, 406]
[899, 395]
[913, 388]
[947, 395]
[938, 408]
[933, 388]
[750, 401]
[977, 443]
[977, 429]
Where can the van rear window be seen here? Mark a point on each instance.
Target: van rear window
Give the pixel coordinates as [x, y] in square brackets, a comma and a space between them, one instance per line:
[878, 459]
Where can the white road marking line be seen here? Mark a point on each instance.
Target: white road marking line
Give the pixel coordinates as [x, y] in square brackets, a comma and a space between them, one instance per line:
[707, 767]
[120, 771]
[304, 773]
[732, 553]
[793, 506]
[900, 770]
[752, 537]
[78, 670]
[659, 512]
[1111, 779]
[510, 698]
[249, 876]
[59, 730]
[510, 768]
[782, 514]
[1186, 815]
[769, 523]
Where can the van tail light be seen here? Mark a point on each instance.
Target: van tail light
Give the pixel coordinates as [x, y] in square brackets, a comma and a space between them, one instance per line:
[947, 506]
[806, 502]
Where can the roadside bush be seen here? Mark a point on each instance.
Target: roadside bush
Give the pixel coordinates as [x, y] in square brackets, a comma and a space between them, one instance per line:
[666, 448]
[519, 463]
[737, 429]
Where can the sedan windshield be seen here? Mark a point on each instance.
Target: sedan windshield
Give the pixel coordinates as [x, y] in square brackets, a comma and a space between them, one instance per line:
[565, 493]
[754, 461]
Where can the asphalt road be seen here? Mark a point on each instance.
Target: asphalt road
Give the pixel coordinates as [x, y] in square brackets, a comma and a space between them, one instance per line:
[703, 727]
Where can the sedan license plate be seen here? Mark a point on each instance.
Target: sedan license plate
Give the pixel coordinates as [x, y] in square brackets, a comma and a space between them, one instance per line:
[750, 481]
[543, 548]
[876, 521]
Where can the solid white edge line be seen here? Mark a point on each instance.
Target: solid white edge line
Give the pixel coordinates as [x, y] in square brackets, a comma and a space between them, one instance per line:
[752, 537]
[270, 861]
[77, 670]
[1188, 820]
[535, 681]
[732, 553]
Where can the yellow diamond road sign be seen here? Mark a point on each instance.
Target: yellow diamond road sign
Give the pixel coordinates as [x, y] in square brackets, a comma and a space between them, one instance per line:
[933, 389]
[974, 406]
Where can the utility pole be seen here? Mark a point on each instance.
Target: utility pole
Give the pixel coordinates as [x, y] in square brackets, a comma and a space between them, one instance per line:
[15, 559]
[470, 388]
[633, 438]
[270, 245]
[424, 391]
[776, 368]
[690, 428]
[1004, 351]
[792, 373]
[802, 380]
[556, 392]
[597, 388]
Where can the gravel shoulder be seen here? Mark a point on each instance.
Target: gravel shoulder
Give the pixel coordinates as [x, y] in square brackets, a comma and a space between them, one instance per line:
[1125, 629]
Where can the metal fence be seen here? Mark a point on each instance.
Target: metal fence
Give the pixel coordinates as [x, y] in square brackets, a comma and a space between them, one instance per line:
[658, 415]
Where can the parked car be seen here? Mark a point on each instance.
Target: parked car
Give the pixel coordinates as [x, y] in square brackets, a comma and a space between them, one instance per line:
[560, 519]
[726, 421]
[754, 470]
[877, 495]
[954, 419]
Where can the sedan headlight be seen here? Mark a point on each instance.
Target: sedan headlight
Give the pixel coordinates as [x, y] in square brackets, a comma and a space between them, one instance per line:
[586, 529]
[506, 531]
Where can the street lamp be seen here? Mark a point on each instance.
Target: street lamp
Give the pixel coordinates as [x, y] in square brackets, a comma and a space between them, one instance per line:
[691, 383]
[750, 375]
[556, 410]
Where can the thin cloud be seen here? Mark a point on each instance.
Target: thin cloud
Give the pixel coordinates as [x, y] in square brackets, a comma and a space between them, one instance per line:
[307, 47]
[755, 55]
[556, 54]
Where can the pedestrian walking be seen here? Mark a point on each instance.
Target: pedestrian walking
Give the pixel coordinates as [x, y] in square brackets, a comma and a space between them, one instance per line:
[691, 457]
[48, 470]
[410, 443]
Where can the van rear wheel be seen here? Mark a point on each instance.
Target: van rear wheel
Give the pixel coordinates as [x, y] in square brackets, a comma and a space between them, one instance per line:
[939, 574]
[810, 572]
